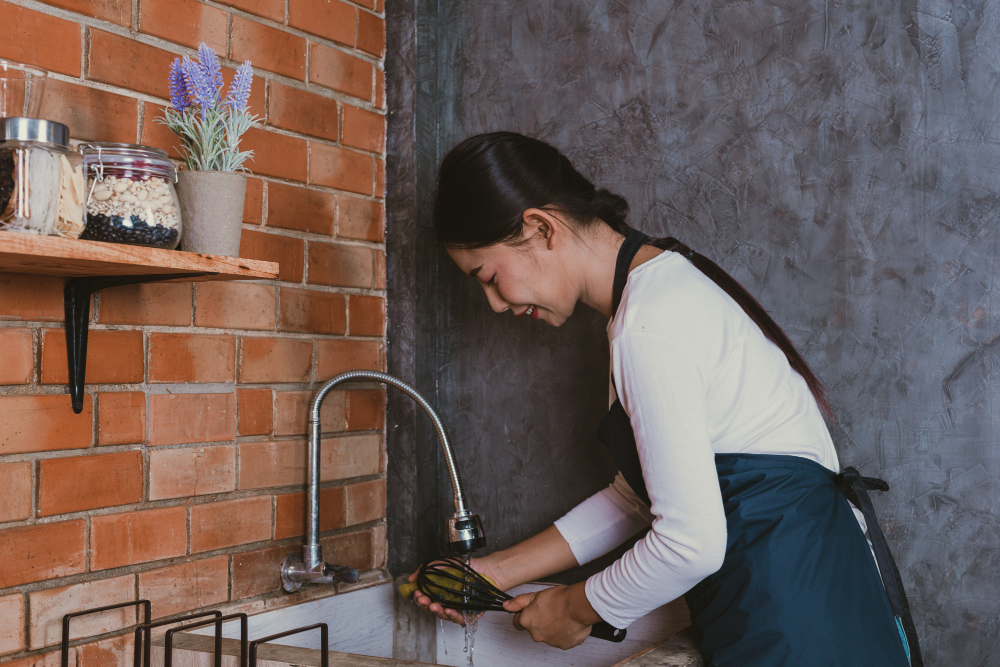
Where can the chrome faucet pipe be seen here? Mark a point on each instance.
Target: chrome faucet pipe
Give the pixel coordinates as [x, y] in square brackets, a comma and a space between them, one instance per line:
[464, 530]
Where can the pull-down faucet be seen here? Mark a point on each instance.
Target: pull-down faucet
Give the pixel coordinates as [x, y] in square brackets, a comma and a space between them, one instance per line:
[464, 529]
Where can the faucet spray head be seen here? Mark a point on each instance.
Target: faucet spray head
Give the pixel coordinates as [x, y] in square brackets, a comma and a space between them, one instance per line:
[465, 533]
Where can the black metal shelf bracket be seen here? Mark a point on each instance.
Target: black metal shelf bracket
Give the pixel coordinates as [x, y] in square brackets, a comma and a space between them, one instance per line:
[168, 644]
[324, 631]
[147, 613]
[141, 655]
[76, 298]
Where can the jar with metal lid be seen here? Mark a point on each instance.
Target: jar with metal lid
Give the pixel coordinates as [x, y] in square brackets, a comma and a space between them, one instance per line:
[130, 195]
[41, 179]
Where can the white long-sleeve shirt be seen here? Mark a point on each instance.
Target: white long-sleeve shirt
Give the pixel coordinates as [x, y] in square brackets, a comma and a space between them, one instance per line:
[697, 378]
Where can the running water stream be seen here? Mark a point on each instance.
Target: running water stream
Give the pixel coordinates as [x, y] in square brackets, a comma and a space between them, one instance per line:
[471, 619]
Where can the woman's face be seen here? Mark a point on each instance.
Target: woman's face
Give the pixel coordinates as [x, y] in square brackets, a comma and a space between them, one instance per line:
[528, 277]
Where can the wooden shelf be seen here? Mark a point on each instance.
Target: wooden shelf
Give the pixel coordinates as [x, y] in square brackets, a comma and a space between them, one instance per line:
[54, 256]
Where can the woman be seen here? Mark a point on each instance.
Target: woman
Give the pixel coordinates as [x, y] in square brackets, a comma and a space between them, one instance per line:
[716, 425]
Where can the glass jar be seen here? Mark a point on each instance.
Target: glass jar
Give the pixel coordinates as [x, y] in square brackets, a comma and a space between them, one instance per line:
[130, 195]
[41, 180]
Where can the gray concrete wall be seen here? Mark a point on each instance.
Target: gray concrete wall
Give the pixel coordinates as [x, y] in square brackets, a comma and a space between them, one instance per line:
[838, 158]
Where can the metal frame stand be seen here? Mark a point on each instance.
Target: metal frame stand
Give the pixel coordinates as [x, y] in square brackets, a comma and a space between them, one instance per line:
[76, 298]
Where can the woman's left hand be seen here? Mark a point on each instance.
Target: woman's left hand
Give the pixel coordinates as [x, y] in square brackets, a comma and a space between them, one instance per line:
[560, 616]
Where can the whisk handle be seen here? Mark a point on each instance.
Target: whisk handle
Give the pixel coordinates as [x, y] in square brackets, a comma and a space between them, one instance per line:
[603, 630]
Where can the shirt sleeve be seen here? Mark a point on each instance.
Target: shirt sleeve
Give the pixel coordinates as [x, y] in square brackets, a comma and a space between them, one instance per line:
[603, 521]
[662, 388]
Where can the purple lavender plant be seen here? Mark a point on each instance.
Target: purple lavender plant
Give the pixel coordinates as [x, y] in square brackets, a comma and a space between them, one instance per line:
[200, 85]
[209, 63]
[239, 89]
[209, 127]
[180, 96]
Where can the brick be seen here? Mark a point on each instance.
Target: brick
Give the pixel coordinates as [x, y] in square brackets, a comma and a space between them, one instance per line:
[253, 204]
[269, 9]
[366, 409]
[187, 358]
[185, 22]
[15, 494]
[290, 512]
[337, 356]
[275, 360]
[380, 547]
[342, 169]
[292, 408]
[301, 111]
[91, 114]
[380, 269]
[11, 623]
[340, 265]
[112, 652]
[365, 501]
[360, 219]
[113, 357]
[193, 471]
[17, 357]
[286, 251]
[24, 297]
[313, 312]
[35, 38]
[43, 424]
[187, 586]
[363, 129]
[258, 572]
[332, 19]
[190, 418]
[148, 65]
[355, 549]
[48, 608]
[156, 134]
[137, 537]
[367, 4]
[371, 34]
[338, 71]
[380, 178]
[255, 411]
[79, 483]
[379, 89]
[40, 552]
[267, 464]
[166, 304]
[350, 456]
[276, 154]
[115, 11]
[234, 305]
[291, 207]
[268, 48]
[122, 418]
[51, 659]
[228, 523]
[367, 315]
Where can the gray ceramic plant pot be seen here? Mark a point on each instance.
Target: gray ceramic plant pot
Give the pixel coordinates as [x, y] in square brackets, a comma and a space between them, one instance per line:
[212, 211]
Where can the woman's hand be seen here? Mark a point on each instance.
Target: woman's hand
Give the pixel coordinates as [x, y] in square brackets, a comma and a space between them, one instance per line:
[480, 565]
[560, 616]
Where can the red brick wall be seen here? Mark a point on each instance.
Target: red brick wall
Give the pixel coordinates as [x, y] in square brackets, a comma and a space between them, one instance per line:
[182, 480]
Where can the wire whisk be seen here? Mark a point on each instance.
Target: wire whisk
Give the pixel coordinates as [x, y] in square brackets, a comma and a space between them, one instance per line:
[452, 583]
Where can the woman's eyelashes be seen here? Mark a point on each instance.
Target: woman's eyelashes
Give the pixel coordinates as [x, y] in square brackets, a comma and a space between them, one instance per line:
[492, 280]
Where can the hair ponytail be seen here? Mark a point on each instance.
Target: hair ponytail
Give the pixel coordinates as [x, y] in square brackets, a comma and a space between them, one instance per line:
[488, 181]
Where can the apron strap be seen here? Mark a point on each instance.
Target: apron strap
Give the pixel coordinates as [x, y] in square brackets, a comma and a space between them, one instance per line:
[633, 242]
[856, 488]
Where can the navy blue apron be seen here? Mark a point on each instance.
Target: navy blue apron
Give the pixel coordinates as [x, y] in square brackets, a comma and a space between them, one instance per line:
[798, 586]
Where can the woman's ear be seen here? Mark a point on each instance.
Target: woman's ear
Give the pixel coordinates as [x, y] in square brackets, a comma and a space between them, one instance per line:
[543, 226]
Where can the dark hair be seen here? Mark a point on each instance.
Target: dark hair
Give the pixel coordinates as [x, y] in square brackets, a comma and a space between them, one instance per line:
[487, 182]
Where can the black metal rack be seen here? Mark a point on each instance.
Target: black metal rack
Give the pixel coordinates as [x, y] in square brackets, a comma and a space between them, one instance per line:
[143, 634]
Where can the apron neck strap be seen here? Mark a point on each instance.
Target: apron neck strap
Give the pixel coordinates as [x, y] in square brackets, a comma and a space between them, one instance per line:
[626, 254]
